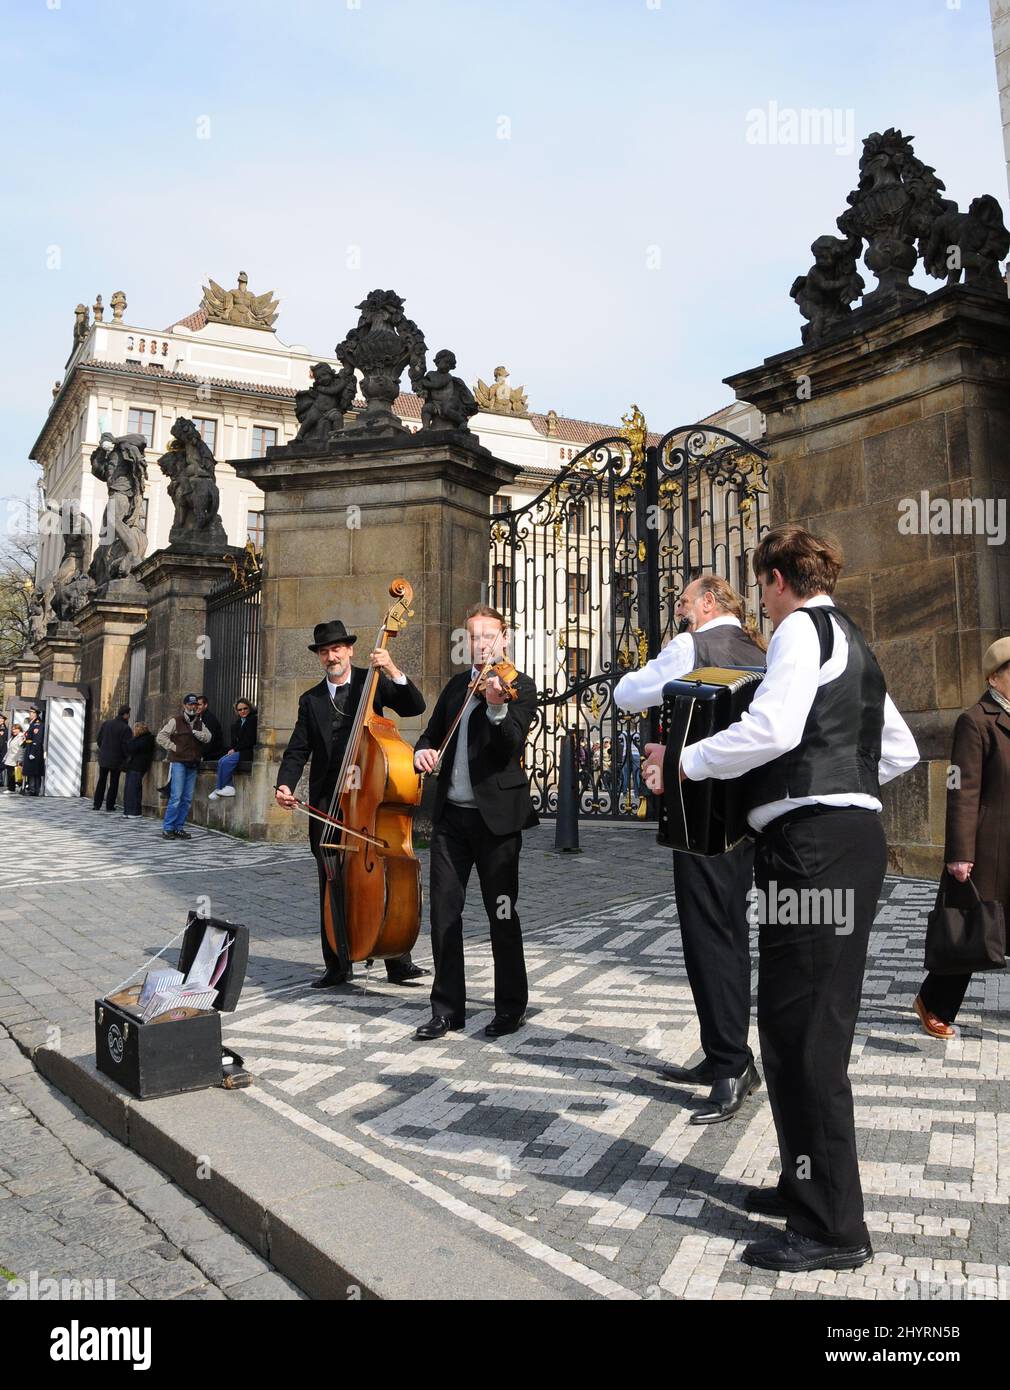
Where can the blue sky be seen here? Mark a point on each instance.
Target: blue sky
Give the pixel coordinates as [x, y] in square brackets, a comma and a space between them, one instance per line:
[376, 127]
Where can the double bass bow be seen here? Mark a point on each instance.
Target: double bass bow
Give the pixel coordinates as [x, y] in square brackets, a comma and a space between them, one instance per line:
[368, 853]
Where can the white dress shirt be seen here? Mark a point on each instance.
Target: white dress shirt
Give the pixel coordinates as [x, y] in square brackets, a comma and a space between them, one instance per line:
[774, 723]
[640, 690]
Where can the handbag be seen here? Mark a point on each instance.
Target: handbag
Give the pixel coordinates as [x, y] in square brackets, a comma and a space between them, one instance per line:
[961, 941]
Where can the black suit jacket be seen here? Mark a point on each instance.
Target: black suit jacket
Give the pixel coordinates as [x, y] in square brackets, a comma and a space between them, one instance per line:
[501, 788]
[312, 736]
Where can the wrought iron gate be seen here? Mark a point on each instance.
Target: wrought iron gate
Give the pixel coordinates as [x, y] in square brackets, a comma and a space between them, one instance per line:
[589, 572]
[233, 629]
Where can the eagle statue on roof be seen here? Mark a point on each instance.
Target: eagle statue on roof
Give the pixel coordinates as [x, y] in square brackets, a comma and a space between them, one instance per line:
[238, 306]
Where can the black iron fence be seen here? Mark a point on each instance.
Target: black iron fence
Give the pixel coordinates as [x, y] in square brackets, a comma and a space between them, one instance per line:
[590, 571]
[233, 644]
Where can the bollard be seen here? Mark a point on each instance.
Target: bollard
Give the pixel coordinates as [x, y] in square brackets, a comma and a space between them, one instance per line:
[566, 828]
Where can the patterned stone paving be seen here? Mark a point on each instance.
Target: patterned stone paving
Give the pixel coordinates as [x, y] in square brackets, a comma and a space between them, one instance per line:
[560, 1144]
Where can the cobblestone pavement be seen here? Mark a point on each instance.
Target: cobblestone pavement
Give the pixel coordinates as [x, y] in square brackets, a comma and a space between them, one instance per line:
[560, 1143]
[82, 1217]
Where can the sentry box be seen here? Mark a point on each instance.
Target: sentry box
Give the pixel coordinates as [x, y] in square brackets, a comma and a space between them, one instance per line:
[163, 1036]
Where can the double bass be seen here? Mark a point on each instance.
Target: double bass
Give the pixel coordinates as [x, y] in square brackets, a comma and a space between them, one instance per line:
[368, 852]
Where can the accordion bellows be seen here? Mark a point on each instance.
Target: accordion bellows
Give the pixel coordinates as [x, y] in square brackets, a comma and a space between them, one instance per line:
[708, 817]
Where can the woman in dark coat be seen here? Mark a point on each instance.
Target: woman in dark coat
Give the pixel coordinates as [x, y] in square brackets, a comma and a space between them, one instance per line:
[240, 749]
[977, 839]
[139, 756]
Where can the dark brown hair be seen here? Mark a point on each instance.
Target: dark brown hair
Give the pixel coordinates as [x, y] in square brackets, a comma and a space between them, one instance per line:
[809, 564]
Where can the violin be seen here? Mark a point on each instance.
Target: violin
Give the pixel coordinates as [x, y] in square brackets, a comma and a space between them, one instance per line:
[506, 673]
[371, 822]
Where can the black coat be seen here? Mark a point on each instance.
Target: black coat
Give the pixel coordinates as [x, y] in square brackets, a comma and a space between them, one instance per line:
[312, 736]
[501, 788]
[140, 753]
[216, 747]
[32, 757]
[114, 739]
[243, 736]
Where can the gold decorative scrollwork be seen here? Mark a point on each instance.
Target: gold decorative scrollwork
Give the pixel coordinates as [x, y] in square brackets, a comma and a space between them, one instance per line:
[248, 567]
[635, 432]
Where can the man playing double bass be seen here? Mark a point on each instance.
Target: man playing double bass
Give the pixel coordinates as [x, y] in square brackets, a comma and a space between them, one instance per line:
[325, 719]
[474, 742]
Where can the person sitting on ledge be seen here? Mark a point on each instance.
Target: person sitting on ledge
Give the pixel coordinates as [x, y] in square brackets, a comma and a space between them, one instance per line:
[243, 741]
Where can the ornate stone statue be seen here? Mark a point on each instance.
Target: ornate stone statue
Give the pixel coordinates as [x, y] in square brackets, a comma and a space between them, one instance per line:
[320, 409]
[380, 346]
[98, 309]
[68, 590]
[448, 401]
[552, 424]
[120, 464]
[239, 306]
[38, 616]
[118, 303]
[81, 325]
[189, 465]
[897, 199]
[973, 242]
[56, 388]
[500, 398]
[826, 293]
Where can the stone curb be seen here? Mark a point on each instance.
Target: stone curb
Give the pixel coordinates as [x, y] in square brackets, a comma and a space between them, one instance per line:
[334, 1233]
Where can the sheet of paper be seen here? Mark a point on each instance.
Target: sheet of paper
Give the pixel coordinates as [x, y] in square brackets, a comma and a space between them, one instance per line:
[215, 941]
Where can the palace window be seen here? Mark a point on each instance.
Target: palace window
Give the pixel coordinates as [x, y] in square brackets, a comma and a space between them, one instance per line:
[207, 430]
[264, 437]
[141, 422]
[501, 502]
[577, 662]
[693, 513]
[577, 520]
[143, 512]
[501, 588]
[578, 595]
[255, 528]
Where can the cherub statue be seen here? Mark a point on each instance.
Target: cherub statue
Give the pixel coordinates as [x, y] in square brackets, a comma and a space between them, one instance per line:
[972, 242]
[189, 465]
[320, 408]
[448, 401]
[500, 398]
[826, 293]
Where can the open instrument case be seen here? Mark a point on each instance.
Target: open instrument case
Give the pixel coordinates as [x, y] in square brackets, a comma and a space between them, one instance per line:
[181, 1049]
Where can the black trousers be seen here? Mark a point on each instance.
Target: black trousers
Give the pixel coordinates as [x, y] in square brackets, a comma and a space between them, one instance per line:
[460, 841]
[809, 986]
[110, 775]
[943, 995]
[338, 962]
[715, 931]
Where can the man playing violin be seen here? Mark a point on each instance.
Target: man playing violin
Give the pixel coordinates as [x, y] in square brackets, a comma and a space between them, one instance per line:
[473, 743]
[325, 718]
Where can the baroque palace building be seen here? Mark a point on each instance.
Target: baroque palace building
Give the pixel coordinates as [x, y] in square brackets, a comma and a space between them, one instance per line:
[238, 384]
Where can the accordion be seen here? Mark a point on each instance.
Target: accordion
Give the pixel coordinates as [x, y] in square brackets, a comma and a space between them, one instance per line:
[707, 817]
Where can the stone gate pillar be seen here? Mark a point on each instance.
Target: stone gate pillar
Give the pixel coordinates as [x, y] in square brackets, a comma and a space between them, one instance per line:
[867, 434]
[107, 625]
[342, 523]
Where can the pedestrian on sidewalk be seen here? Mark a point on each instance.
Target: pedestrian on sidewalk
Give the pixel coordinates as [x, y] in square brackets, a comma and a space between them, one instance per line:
[183, 738]
[113, 740]
[243, 741]
[32, 756]
[12, 758]
[975, 840]
[4, 739]
[139, 756]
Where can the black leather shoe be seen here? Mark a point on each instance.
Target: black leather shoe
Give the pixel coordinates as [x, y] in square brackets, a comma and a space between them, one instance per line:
[726, 1097]
[331, 978]
[766, 1200]
[183, 835]
[792, 1253]
[700, 1075]
[504, 1023]
[437, 1027]
[399, 974]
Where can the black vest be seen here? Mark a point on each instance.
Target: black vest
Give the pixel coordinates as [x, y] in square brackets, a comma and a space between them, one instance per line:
[840, 747]
[726, 645]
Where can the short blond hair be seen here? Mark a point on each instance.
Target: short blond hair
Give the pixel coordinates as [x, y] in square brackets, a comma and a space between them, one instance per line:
[483, 610]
